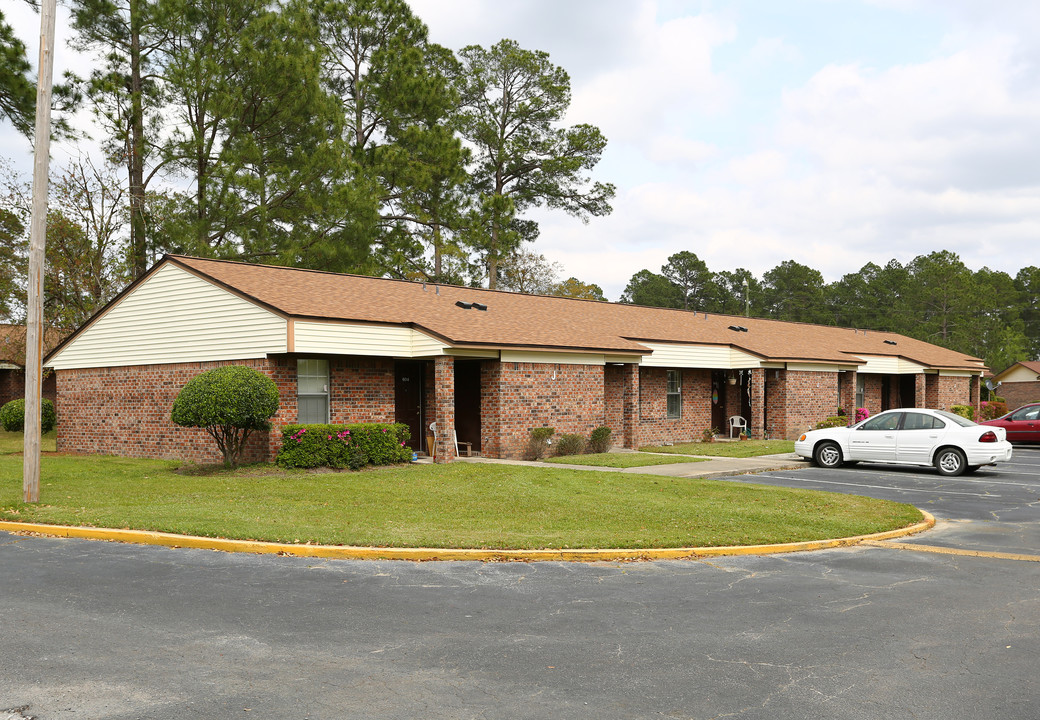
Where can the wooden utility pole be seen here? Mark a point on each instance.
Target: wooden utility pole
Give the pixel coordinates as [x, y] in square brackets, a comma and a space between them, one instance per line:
[37, 241]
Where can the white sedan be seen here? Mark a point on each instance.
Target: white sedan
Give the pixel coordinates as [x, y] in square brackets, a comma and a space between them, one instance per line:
[909, 436]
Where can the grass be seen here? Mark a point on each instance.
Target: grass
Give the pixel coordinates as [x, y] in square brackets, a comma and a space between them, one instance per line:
[738, 449]
[619, 460]
[14, 442]
[460, 505]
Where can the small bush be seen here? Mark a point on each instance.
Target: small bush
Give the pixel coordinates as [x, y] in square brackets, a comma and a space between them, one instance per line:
[571, 444]
[965, 411]
[599, 441]
[992, 409]
[709, 434]
[833, 421]
[862, 414]
[343, 446]
[12, 416]
[538, 443]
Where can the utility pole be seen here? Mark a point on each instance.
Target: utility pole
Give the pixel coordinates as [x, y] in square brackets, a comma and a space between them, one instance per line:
[747, 298]
[37, 241]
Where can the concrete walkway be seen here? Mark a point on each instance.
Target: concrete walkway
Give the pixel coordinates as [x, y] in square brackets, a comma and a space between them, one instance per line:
[707, 467]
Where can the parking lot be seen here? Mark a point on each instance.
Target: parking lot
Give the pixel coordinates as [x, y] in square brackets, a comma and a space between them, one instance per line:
[944, 625]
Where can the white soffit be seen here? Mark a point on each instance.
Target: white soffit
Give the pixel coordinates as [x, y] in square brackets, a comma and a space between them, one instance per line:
[337, 338]
[174, 316]
[889, 365]
[560, 358]
[720, 357]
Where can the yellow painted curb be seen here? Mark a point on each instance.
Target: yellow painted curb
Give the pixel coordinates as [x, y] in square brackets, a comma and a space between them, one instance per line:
[345, 552]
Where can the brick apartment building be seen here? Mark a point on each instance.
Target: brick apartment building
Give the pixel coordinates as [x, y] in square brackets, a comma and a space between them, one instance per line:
[12, 364]
[1019, 384]
[490, 365]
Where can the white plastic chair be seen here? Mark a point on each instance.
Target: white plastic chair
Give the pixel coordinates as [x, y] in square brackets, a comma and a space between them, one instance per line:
[737, 422]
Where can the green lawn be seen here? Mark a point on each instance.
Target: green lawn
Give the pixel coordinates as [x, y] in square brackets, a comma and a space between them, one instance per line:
[740, 449]
[14, 442]
[619, 460]
[460, 505]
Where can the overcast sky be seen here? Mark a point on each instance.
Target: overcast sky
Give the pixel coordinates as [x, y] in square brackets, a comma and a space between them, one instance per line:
[829, 132]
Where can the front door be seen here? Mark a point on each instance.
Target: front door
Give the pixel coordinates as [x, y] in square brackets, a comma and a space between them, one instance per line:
[409, 377]
[467, 403]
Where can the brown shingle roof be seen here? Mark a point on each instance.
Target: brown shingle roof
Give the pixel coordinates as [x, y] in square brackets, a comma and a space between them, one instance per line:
[532, 321]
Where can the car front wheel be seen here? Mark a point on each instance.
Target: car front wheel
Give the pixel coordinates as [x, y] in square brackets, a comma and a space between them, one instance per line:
[950, 461]
[827, 455]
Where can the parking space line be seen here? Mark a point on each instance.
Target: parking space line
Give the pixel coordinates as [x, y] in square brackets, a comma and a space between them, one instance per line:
[950, 551]
[885, 487]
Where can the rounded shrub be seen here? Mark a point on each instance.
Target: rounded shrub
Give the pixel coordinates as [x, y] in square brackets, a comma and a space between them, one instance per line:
[12, 416]
[570, 444]
[229, 402]
[599, 440]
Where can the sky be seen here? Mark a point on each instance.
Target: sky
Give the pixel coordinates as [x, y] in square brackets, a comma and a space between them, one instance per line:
[834, 133]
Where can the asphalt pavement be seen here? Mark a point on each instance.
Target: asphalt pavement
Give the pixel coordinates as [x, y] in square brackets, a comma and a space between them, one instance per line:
[113, 631]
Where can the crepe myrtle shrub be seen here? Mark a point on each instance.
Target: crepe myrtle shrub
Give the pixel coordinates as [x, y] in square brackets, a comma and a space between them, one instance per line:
[599, 440]
[992, 409]
[229, 403]
[344, 446]
[12, 416]
[538, 443]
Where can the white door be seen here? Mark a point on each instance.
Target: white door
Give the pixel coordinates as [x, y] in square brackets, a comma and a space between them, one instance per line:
[875, 439]
[918, 437]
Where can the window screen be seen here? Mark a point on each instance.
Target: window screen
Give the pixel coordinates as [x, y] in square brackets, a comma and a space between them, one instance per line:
[312, 390]
[674, 393]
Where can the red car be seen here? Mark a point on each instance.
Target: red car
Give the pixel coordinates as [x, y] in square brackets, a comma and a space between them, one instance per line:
[1022, 425]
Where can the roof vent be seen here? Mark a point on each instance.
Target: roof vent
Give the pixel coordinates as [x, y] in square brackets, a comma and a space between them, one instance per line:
[738, 328]
[890, 342]
[471, 305]
[464, 305]
[480, 306]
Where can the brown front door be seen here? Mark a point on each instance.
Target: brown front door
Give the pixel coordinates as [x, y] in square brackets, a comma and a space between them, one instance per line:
[409, 380]
[467, 402]
[718, 402]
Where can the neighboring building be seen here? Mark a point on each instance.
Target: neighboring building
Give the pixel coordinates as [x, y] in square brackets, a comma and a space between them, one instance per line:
[1019, 384]
[12, 364]
[491, 365]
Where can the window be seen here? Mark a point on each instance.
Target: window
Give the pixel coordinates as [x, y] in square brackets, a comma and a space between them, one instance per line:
[312, 390]
[920, 421]
[861, 391]
[885, 421]
[674, 394]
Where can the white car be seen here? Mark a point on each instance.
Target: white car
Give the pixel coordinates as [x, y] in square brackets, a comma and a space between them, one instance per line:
[909, 436]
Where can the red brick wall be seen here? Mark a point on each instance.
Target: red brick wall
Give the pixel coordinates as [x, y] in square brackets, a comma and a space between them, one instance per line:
[362, 390]
[126, 410]
[951, 391]
[654, 425]
[776, 404]
[810, 397]
[517, 397]
[1017, 394]
[12, 386]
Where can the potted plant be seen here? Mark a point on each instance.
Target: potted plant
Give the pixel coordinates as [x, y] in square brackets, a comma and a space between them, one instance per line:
[743, 435]
[708, 435]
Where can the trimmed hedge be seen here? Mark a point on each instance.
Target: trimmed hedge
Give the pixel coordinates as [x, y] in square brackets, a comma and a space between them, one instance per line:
[833, 421]
[344, 446]
[965, 411]
[12, 416]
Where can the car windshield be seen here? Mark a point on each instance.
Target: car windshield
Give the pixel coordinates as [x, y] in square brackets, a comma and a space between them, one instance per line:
[953, 417]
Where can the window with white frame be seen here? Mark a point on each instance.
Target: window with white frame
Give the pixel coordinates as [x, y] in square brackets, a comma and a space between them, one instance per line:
[312, 390]
[674, 394]
[860, 392]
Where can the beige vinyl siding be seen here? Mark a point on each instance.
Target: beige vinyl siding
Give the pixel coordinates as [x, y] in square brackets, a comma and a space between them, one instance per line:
[721, 357]
[172, 317]
[889, 365]
[1018, 373]
[361, 339]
